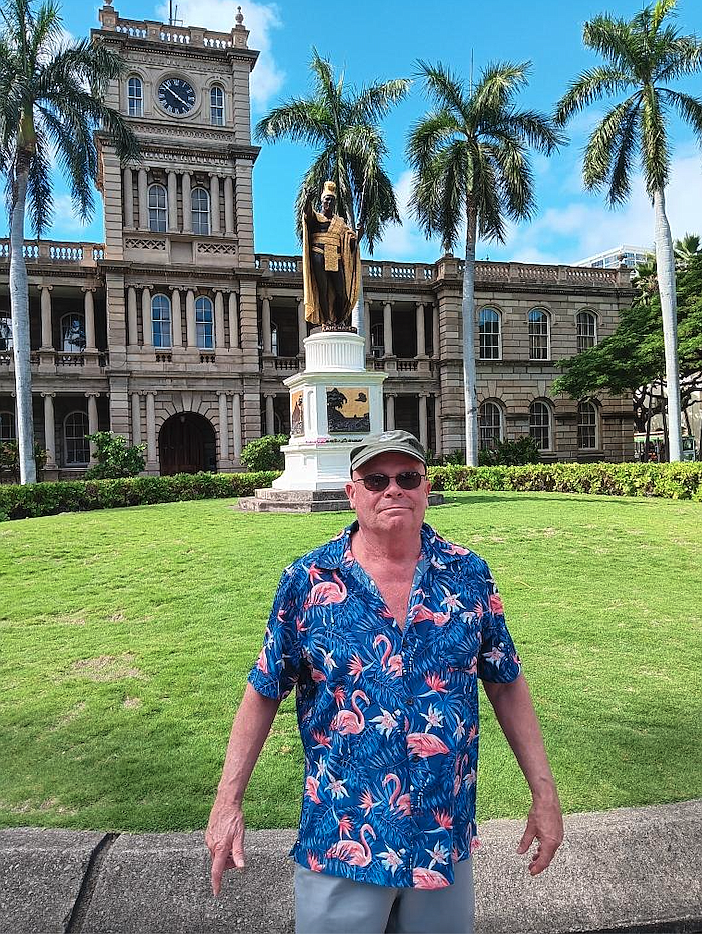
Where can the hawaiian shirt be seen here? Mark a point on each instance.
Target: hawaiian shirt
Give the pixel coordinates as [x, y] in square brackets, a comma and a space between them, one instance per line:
[388, 716]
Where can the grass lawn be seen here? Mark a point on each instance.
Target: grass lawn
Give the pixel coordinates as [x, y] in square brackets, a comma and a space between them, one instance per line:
[126, 637]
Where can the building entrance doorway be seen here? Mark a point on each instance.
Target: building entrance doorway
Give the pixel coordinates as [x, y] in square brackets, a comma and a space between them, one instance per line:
[187, 444]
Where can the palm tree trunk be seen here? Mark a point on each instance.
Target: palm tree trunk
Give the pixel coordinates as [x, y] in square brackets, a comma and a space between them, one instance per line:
[468, 318]
[19, 309]
[665, 262]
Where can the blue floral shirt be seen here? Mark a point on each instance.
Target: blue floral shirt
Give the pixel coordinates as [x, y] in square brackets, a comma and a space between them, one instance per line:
[388, 716]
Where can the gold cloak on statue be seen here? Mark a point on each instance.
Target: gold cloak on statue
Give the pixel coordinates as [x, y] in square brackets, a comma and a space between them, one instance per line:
[338, 234]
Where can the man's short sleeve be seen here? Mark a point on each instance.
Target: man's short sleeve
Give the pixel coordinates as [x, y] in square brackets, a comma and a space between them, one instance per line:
[497, 659]
[277, 668]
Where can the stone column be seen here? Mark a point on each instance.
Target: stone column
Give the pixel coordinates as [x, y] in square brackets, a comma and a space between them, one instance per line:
[219, 320]
[148, 338]
[236, 424]
[301, 326]
[233, 320]
[89, 309]
[190, 328]
[128, 198]
[92, 420]
[132, 320]
[175, 319]
[187, 203]
[136, 418]
[143, 200]
[266, 325]
[421, 341]
[423, 424]
[223, 427]
[172, 202]
[435, 323]
[229, 206]
[390, 412]
[270, 421]
[387, 328]
[367, 326]
[150, 429]
[47, 342]
[437, 425]
[214, 204]
[49, 429]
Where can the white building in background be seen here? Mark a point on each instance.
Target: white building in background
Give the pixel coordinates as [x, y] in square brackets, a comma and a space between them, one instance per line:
[623, 255]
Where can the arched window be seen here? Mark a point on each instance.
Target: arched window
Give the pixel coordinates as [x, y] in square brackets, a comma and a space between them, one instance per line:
[157, 208]
[490, 424]
[538, 335]
[73, 333]
[489, 328]
[540, 424]
[7, 426]
[135, 93]
[377, 340]
[5, 332]
[586, 325]
[200, 201]
[587, 426]
[161, 320]
[217, 105]
[204, 323]
[75, 429]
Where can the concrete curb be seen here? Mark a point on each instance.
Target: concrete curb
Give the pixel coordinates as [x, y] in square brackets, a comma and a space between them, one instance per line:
[627, 870]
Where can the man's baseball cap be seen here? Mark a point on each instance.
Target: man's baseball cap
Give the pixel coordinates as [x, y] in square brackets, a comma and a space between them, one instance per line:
[395, 442]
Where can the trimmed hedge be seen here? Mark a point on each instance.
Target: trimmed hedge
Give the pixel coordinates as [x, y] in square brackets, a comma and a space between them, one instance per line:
[672, 481]
[48, 499]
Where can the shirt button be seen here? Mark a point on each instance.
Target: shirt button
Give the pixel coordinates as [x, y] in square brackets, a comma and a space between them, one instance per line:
[409, 701]
[414, 758]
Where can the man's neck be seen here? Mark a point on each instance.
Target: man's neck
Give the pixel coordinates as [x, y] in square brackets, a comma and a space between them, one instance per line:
[373, 549]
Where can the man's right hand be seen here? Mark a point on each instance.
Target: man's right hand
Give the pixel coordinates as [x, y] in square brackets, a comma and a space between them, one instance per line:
[225, 840]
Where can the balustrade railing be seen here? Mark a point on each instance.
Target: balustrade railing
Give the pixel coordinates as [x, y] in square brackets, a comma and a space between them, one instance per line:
[57, 251]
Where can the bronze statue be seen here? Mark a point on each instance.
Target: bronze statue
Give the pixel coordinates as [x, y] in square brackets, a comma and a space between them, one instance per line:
[331, 264]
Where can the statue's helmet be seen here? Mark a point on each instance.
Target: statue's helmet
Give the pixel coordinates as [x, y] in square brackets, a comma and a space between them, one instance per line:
[329, 189]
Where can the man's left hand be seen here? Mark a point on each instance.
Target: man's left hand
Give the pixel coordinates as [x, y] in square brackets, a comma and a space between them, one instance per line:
[545, 824]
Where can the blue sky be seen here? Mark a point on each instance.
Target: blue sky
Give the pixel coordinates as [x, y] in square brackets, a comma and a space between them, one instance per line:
[383, 39]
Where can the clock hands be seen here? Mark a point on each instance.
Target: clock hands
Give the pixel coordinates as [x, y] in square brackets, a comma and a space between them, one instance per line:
[178, 97]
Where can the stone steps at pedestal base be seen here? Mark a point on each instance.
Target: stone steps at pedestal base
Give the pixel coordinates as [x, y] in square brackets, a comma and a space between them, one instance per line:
[304, 501]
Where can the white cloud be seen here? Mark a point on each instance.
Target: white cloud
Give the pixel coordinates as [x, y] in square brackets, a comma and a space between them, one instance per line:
[406, 240]
[260, 18]
[587, 226]
[65, 217]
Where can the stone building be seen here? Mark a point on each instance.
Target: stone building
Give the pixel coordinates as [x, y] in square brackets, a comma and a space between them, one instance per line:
[175, 333]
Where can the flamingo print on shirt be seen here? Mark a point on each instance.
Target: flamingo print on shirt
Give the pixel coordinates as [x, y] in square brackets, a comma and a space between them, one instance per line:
[388, 717]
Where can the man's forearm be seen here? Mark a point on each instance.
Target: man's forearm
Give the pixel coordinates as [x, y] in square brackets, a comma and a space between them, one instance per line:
[252, 725]
[517, 718]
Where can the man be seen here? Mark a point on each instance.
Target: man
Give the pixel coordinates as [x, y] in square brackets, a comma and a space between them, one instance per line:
[331, 263]
[384, 631]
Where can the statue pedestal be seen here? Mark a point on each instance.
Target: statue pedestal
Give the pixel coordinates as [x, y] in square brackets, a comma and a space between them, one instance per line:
[335, 404]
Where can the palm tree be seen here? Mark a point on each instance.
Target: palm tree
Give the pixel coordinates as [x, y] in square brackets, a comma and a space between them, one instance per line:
[685, 249]
[642, 55]
[341, 125]
[51, 102]
[470, 158]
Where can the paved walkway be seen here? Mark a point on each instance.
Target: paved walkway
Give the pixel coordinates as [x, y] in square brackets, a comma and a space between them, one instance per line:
[632, 869]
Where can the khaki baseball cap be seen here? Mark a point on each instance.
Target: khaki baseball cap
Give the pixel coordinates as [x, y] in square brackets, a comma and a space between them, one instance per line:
[396, 442]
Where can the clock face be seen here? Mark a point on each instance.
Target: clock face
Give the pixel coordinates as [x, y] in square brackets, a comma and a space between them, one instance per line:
[176, 96]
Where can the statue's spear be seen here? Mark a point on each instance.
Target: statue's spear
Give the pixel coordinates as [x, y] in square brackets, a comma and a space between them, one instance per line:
[361, 205]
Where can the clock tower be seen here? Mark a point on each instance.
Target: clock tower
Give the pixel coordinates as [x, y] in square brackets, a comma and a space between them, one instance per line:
[179, 254]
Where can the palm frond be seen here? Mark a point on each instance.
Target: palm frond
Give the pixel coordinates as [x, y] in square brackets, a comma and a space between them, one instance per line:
[614, 39]
[681, 57]
[39, 188]
[428, 135]
[655, 149]
[300, 120]
[625, 153]
[374, 102]
[689, 108]
[590, 86]
[445, 89]
[602, 144]
[499, 82]
[537, 130]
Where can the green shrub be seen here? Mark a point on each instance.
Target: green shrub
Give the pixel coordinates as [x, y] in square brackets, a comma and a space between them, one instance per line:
[264, 453]
[523, 450]
[115, 457]
[672, 481]
[10, 463]
[47, 499]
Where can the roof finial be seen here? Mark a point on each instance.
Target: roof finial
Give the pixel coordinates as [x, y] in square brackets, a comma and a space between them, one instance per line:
[239, 17]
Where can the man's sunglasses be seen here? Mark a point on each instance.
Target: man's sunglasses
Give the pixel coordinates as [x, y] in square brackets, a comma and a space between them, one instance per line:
[377, 482]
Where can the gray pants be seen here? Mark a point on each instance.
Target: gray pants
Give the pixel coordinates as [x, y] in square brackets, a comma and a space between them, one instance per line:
[329, 905]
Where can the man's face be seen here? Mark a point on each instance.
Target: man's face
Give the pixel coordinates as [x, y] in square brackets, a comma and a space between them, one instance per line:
[328, 202]
[393, 510]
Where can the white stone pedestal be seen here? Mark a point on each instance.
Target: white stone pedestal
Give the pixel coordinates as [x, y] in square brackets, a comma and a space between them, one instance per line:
[335, 404]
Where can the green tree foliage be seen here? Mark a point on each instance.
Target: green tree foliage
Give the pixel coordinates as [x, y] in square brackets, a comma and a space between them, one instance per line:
[470, 158]
[52, 106]
[115, 457]
[516, 453]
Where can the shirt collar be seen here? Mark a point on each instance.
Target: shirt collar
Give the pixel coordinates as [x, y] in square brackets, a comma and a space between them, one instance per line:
[336, 554]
